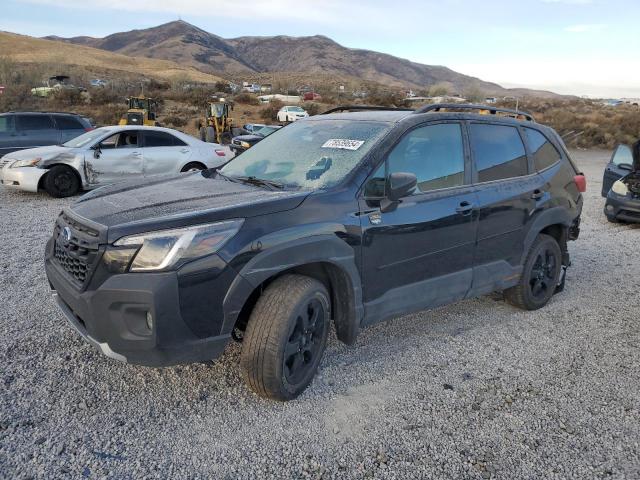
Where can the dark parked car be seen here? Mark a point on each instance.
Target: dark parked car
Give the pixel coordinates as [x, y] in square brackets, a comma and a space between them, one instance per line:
[345, 218]
[242, 142]
[621, 184]
[20, 130]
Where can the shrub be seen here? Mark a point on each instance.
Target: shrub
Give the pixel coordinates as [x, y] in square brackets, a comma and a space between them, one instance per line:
[271, 110]
[312, 108]
[174, 120]
[246, 99]
[66, 98]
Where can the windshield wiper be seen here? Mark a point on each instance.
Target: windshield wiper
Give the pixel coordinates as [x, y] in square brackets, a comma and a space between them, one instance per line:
[261, 182]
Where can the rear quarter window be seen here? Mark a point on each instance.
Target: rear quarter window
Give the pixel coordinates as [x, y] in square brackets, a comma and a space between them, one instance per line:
[543, 151]
[498, 152]
[65, 122]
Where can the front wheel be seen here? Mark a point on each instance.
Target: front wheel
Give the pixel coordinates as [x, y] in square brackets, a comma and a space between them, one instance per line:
[540, 275]
[193, 167]
[286, 337]
[61, 181]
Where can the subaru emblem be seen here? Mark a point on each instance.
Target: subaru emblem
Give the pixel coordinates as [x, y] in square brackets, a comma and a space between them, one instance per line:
[66, 234]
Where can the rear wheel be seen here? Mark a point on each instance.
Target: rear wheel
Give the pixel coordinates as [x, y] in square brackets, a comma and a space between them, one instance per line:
[286, 337]
[540, 275]
[61, 181]
[193, 167]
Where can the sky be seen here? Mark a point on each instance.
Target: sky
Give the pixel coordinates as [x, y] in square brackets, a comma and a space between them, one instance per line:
[578, 47]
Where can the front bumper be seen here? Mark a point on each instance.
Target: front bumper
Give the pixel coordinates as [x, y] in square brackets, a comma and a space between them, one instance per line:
[113, 318]
[622, 208]
[23, 178]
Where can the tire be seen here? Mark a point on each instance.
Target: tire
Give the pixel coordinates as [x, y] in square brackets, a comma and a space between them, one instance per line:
[193, 167]
[540, 275]
[283, 344]
[210, 135]
[203, 134]
[612, 219]
[61, 181]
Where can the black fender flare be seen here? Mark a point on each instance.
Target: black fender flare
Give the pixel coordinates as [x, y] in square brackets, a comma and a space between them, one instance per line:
[546, 218]
[326, 248]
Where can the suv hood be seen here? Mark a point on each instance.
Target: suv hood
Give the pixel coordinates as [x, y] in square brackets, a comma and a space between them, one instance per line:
[179, 200]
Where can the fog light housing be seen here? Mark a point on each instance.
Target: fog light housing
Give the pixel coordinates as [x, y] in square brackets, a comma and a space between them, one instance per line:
[149, 320]
[609, 208]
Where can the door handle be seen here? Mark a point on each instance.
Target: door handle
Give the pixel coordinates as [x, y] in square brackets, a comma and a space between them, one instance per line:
[184, 150]
[136, 154]
[537, 194]
[464, 208]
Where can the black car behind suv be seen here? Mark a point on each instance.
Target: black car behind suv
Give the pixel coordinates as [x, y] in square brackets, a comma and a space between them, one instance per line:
[349, 217]
[20, 130]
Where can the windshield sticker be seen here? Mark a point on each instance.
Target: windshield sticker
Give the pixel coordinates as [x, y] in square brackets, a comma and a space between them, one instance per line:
[343, 143]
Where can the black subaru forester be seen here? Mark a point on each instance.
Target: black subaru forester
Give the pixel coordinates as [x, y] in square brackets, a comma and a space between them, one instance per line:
[349, 217]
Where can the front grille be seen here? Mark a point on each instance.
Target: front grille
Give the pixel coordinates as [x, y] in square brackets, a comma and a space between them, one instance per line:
[76, 266]
[76, 255]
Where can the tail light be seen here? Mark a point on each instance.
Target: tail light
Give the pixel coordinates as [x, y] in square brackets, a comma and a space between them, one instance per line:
[88, 129]
[581, 182]
[221, 153]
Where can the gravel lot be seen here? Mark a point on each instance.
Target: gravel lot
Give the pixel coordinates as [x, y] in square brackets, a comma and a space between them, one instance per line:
[477, 389]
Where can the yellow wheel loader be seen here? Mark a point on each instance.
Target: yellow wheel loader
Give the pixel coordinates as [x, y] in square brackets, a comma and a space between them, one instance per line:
[142, 111]
[216, 127]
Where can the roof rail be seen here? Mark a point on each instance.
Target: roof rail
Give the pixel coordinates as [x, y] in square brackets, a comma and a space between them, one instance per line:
[436, 107]
[356, 108]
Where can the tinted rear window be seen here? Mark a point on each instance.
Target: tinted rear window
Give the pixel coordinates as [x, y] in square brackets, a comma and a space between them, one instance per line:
[66, 122]
[161, 139]
[498, 151]
[34, 122]
[544, 153]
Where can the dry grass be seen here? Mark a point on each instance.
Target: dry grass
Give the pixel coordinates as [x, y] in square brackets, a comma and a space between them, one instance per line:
[586, 123]
[23, 49]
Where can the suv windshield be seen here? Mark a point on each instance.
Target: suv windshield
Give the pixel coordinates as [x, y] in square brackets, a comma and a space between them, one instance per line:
[310, 154]
[86, 138]
[295, 109]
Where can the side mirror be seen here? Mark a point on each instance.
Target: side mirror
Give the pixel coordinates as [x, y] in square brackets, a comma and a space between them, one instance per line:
[96, 151]
[398, 185]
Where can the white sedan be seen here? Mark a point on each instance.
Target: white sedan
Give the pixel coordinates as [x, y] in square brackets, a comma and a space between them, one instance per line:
[291, 114]
[107, 155]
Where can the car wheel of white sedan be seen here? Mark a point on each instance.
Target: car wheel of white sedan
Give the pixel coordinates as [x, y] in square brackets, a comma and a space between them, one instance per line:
[193, 167]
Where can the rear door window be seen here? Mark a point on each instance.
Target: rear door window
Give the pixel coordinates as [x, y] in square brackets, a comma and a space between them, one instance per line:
[34, 122]
[543, 151]
[67, 122]
[161, 139]
[498, 152]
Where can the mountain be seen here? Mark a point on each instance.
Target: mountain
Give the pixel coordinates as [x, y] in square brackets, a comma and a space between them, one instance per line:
[189, 45]
[24, 49]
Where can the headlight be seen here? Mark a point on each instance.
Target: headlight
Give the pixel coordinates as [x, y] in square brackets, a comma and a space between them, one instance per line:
[163, 249]
[245, 144]
[26, 163]
[620, 188]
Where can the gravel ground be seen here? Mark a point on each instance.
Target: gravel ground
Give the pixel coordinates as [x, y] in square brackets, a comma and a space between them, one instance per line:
[477, 389]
